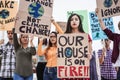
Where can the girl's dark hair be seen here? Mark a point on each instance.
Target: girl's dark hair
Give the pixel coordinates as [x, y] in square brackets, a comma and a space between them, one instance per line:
[69, 28]
[50, 44]
[45, 41]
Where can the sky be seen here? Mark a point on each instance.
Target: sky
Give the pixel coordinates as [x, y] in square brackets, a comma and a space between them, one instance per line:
[60, 8]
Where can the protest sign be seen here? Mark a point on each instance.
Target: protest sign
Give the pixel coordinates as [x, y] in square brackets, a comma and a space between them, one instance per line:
[62, 25]
[96, 30]
[34, 17]
[72, 58]
[108, 8]
[8, 11]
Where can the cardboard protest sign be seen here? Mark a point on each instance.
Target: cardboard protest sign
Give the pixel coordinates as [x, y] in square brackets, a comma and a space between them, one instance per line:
[84, 17]
[72, 61]
[8, 11]
[34, 17]
[62, 25]
[96, 30]
[108, 8]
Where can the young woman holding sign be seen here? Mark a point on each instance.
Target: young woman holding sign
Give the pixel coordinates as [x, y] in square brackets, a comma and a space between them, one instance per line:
[50, 71]
[74, 25]
[24, 55]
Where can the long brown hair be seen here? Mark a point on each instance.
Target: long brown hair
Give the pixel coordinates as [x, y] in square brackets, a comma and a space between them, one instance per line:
[50, 44]
[69, 28]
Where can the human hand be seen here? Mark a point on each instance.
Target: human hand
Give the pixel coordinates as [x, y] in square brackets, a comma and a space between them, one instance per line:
[96, 11]
[40, 39]
[104, 51]
[89, 56]
[2, 41]
[52, 20]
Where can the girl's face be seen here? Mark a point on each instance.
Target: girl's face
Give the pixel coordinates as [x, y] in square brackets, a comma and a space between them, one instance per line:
[75, 22]
[24, 39]
[53, 38]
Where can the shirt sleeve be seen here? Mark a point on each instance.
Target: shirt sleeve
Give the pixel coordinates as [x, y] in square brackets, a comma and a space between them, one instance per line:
[15, 40]
[89, 38]
[112, 36]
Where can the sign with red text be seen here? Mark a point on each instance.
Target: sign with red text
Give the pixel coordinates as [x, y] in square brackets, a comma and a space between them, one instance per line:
[34, 17]
[8, 11]
[108, 8]
[72, 58]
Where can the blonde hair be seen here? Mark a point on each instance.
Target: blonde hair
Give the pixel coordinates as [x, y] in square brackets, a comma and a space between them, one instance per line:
[20, 36]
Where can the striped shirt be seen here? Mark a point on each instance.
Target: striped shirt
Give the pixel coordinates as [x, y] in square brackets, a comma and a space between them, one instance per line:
[107, 69]
[8, 60]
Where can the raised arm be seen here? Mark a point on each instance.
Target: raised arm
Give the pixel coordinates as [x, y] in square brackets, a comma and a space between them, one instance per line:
[57, 27]
[102, 25]
[109, 33]
[15, 40]
[31, 41]
[40, 52]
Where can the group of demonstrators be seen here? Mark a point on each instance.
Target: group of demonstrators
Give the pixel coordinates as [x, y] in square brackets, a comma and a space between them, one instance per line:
[16, 62]
[114, 56]
[74, 25]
